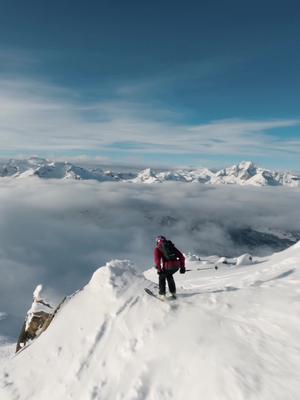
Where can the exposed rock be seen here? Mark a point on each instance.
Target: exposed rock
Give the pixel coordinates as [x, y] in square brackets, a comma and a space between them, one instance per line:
[37, 319]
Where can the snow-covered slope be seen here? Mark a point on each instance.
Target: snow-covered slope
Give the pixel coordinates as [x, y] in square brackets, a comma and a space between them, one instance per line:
[49, 169]
[244, 173]
[150, 176]
[232, 334]
[6, 348]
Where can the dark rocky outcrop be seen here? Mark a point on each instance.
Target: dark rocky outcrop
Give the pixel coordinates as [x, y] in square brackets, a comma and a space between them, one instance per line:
[37, 319]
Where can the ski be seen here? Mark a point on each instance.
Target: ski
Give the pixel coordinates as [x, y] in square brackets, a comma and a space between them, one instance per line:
[148, 291]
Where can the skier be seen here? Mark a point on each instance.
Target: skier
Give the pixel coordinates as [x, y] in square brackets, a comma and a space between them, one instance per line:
[168, 260]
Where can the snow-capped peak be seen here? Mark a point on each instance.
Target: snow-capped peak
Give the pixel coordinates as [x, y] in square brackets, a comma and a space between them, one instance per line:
[147, 175]
[244, 173]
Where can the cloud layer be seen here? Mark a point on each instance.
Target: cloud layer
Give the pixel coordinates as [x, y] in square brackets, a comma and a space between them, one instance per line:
[57, 233]
[37, 117]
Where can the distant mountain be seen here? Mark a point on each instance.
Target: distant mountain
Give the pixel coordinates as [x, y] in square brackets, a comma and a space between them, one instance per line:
[51, 170]
[244, 173]
[148, 175]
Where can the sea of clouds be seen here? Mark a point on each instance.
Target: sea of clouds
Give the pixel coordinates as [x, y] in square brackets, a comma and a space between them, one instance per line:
[58, 232]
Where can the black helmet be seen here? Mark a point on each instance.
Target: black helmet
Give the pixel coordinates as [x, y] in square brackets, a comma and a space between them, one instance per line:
[160, 238]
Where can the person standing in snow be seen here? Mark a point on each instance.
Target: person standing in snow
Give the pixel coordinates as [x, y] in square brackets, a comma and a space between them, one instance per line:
[168, 260]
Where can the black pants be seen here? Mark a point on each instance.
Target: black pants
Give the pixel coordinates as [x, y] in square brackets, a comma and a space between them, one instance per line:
[167, 275]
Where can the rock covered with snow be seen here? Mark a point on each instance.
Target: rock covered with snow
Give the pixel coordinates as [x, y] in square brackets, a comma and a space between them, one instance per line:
[244, 259]
[37, 319]
[40, 306]
[222, 260]
[116, 276]
[192, 257]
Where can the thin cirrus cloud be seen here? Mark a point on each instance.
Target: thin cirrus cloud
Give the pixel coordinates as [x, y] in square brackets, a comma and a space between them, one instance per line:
[37, 117]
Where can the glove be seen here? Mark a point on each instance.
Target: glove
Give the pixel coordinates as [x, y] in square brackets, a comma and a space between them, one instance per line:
[182, 270]
[159, 271]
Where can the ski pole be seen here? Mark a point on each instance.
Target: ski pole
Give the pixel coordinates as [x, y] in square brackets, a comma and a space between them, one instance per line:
[202, 269]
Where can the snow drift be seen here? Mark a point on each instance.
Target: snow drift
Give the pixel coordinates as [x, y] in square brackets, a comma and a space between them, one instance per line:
[232, 334]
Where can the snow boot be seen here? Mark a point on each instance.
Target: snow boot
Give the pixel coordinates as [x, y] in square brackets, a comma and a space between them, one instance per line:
[162, 296]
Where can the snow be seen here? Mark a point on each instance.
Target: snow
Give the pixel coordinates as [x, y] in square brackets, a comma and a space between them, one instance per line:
[244, 259]
[233, 333]
[244, 173]
[6, 348]
[38, 305]
[37, 292]
[46, 169]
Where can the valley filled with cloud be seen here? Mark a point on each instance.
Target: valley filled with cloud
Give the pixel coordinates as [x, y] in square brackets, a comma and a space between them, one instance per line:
[58, 232]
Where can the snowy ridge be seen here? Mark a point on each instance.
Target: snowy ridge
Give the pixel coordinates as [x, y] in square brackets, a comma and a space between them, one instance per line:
[46, 169]
[232, 334]
[244, 173]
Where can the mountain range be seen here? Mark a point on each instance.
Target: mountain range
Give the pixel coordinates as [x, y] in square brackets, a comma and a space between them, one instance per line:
[244, 173]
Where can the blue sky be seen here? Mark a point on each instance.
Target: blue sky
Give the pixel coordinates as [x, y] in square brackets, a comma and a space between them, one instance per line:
[157, 83]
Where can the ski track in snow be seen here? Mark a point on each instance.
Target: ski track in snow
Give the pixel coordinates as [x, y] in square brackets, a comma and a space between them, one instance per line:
[233, 334]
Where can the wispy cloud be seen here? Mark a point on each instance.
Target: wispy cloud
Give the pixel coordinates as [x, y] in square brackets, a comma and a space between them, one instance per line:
[14, 60]
[36, 117]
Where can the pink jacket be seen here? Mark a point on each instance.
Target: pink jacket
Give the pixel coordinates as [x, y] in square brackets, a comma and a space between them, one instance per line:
[162, 264]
